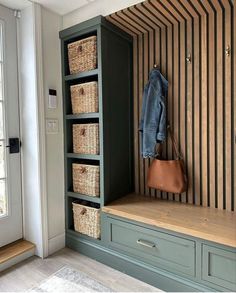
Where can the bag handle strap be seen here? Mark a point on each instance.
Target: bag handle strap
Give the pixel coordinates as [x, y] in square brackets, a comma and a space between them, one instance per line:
[174, 143]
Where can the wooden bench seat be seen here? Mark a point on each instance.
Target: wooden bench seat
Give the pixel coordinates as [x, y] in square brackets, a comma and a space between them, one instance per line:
[210, 224]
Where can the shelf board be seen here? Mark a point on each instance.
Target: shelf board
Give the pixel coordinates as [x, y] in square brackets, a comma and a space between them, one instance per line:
[83, 197]
[77, 234]
[82, 116]
[81, 75]
[82, 156]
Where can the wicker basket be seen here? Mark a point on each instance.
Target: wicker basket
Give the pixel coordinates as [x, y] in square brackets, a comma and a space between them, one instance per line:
[87, 220]
[86, 179]
[84, 97]
[86, 138]
[82, 55]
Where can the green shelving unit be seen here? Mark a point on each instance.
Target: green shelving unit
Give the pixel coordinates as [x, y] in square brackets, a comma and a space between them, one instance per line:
[81, 75]
[114, 77]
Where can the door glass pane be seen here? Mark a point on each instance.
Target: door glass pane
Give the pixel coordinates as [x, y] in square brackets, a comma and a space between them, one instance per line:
[3, 194]
[2, 160]
[1, 42]
[1, 81]
[1, 121]
[3, 198]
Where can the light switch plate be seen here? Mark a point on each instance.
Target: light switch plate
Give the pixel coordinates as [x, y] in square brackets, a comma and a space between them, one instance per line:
[52, 126]
[52, 102]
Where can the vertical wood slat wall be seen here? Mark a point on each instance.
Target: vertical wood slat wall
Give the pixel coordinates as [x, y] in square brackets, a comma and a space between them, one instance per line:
[201, 95]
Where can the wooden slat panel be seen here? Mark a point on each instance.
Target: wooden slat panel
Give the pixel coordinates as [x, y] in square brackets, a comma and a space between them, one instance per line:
[142, 12]
[176, 85]
[151, 51]
[204, 105]
[182, 99]
[136, 116]
[145, 80]
[169, 17]
[183, 17]
[163, 70]
[113, 19]
[170, 101]
[211, 105]
[219, 106]
[189, 12]
[158, 61]
[234, 106]
[196, 131]
[201, 97]
[190, 145]
[140, 91]
[227, 107]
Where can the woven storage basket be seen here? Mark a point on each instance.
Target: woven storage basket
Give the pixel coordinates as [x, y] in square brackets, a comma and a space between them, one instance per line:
[86, 179]
[87, 220]
[86, 138]
[84, 97]
[82, 55]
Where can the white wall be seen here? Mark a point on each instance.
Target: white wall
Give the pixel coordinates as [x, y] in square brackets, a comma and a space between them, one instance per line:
[36, 143]
[51, 25]
[33, 226]
[99, 7]
[42, 154]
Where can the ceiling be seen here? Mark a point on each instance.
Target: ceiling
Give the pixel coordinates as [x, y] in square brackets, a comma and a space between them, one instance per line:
[58, 6]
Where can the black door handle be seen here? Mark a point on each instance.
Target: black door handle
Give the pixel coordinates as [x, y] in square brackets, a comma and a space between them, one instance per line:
[14, 145]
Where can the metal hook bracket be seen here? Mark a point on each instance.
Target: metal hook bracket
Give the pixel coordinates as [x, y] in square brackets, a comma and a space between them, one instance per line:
[188, 58]
[227, 51]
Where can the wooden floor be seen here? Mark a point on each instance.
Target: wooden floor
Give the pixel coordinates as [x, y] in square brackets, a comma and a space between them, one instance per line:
[34, 271]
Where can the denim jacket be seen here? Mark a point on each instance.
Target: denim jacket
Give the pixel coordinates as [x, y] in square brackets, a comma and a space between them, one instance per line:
[153, 119]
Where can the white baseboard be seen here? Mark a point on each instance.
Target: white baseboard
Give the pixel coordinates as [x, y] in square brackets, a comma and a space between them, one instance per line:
[56, 243]
[17, 259]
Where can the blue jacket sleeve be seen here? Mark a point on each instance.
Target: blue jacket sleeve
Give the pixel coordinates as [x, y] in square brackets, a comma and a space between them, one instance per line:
[161, 130]
[145, 92]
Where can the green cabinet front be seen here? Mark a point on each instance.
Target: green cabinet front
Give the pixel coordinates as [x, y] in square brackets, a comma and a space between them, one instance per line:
[159, 249]
[219, 267]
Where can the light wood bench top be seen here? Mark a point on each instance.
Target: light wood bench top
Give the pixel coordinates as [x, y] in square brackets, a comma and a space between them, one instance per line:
[201, 222]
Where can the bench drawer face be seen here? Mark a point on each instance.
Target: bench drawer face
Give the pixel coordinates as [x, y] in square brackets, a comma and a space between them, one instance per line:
[219, 267]
[159, 249]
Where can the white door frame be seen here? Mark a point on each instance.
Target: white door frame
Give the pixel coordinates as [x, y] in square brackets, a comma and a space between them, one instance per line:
[11, 223]
[35, 213]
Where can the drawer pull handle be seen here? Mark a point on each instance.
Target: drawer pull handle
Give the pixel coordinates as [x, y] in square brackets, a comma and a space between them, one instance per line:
[146, 243]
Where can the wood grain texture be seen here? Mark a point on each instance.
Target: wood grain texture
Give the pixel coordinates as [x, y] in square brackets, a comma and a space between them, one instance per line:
[205, 223]
[234, 106]
[227, 106]
[201, 96]
[34, 271]
[14, 249]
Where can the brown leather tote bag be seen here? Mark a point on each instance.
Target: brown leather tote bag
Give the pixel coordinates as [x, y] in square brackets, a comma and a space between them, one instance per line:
[168, 175]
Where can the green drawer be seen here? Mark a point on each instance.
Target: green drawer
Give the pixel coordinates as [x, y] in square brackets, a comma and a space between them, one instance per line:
[219, 267]
[159, 249]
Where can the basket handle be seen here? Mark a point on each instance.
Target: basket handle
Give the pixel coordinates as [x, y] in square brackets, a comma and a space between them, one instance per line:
[83, 170]
[81, 91]
[82, 131]
[80, 49]
[83, 211]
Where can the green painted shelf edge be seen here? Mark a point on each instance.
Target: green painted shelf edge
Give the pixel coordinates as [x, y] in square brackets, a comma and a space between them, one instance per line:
[82, 156]
[81, 75]
[76, 234]
[82, 116]
[83, 197]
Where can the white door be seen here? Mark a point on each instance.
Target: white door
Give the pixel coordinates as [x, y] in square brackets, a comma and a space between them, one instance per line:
[10, 169]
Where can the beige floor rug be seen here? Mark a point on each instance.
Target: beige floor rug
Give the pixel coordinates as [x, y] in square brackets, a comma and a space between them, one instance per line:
[68, 279]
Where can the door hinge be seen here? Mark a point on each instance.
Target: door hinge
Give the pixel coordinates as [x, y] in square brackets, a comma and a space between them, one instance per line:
[17, 13]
